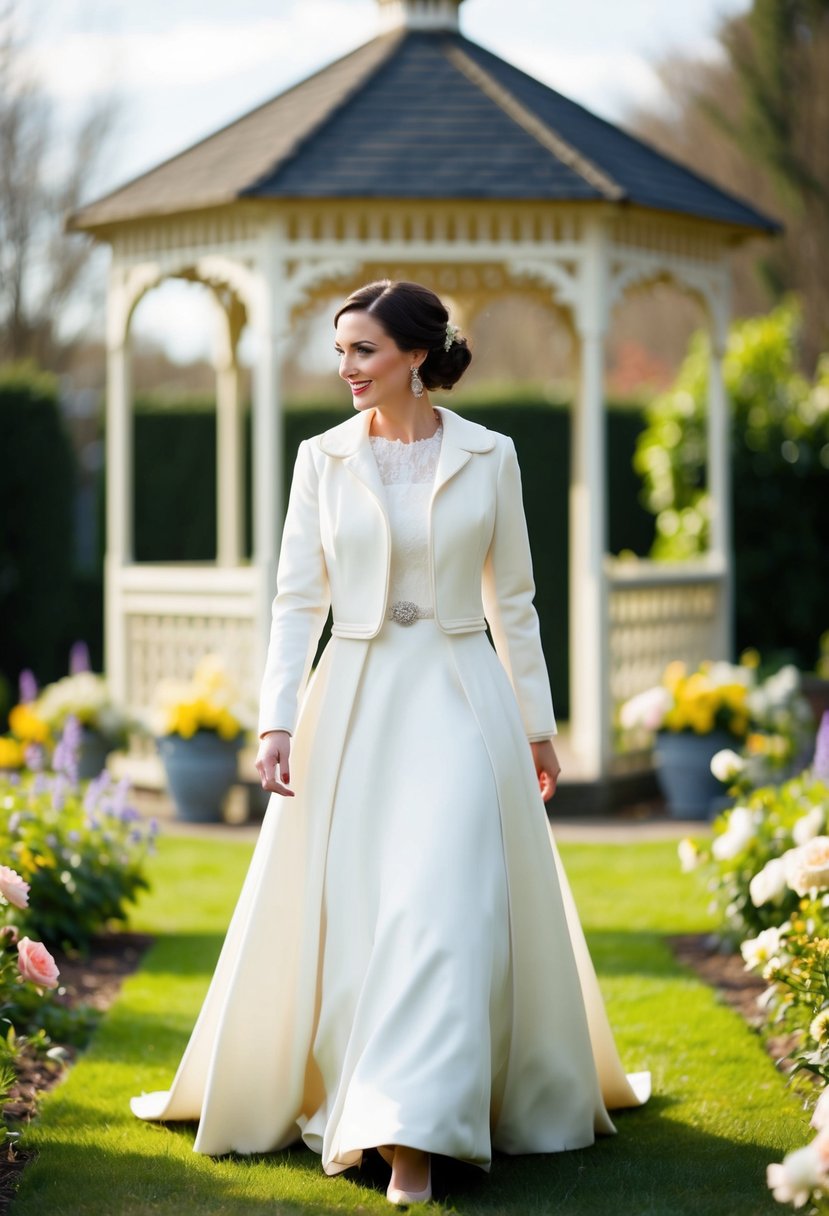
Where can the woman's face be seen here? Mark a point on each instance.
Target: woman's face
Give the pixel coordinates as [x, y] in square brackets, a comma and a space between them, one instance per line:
[372, 364]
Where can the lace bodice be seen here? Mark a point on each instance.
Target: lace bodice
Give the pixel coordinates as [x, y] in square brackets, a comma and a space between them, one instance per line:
[407, 471]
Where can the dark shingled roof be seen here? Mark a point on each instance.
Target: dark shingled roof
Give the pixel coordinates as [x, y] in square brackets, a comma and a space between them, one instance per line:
[415, 114]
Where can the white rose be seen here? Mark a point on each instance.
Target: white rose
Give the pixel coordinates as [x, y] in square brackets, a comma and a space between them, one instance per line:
[808, 825]
[820, 1115]
[726, 765]
[760, 950]
[799, 1174]
[770, 884]
[807, 867]
[647, 709]
[737, 836]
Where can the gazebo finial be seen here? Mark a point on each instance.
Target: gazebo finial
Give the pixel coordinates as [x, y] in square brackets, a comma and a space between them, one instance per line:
[420, 14]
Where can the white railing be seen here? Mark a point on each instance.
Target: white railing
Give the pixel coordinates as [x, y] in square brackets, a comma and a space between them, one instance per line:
[163, 618]
[658, 612]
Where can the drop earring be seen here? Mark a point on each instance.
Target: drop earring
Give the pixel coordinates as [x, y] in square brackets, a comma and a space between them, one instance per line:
[417, 383]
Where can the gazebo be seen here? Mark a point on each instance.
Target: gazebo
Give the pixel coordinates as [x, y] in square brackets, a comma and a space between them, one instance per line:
[419, 155]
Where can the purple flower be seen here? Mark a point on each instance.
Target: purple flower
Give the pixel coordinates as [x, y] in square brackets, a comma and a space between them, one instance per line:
[73, 837]
[79, 658]
[95, 789]
[119, 801]
[34, 757]
[66, 756]
[60, 785]
[14, 822]
[27, 685]
[820, 764]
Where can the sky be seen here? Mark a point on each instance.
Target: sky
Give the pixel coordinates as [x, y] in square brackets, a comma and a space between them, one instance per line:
[180, 69]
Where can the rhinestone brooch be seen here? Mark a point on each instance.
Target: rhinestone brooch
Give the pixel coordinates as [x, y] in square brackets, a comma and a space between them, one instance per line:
[404, 612]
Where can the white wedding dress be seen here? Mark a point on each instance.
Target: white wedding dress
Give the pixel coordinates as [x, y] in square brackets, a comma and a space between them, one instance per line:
[397, 1000]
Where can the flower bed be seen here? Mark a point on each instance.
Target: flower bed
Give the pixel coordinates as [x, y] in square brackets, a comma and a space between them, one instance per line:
[79, 845]
[768, 872]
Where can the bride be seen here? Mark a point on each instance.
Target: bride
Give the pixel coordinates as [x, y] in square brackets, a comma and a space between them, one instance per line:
[405, 970]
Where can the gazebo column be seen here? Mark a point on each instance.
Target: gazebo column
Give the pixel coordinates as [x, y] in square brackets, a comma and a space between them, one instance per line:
[229, 436]
[589, 689]
[119, 483]
[270, 323]
[719, 470]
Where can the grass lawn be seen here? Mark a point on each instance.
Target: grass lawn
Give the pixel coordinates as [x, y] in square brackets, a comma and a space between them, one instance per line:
[719, 1114]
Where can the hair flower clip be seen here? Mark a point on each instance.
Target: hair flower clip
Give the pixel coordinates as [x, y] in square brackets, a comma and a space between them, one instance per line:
[452, 332]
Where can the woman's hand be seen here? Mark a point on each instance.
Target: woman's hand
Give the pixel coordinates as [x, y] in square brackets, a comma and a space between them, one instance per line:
[546, 766]
[272, 761]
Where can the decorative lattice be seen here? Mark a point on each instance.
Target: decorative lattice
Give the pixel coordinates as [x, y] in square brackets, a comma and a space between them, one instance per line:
[652, 624]
[163, 646]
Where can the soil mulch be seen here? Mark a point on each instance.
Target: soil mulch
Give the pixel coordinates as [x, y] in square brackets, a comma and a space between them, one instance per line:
[92, 983]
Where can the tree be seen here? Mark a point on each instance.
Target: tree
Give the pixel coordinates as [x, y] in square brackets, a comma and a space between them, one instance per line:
[41, 268]
[756, 121]
[780, 58]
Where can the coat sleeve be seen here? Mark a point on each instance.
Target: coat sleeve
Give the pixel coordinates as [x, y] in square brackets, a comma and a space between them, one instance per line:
[300, 606]
[508, 589]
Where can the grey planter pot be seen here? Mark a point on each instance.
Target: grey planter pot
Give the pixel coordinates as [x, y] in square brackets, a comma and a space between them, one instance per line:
[683, 770]
[199, 771]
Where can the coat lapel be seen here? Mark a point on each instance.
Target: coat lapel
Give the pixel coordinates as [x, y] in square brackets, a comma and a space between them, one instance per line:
[350, 441]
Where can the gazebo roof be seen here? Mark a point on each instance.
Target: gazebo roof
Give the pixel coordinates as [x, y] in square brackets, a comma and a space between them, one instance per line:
[420, 114]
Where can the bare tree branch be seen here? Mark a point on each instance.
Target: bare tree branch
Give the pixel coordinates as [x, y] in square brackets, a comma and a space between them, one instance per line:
[42, 268]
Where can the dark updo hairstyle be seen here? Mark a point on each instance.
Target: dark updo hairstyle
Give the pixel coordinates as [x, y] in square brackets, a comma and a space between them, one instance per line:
[415, 319]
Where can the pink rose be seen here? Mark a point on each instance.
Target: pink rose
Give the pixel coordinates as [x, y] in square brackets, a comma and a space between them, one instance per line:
[13, 888]
[36, 964]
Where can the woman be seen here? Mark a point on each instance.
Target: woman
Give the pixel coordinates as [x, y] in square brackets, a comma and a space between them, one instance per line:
[405, 969]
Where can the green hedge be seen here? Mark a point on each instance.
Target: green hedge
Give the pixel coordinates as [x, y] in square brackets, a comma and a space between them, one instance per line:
[37, 490]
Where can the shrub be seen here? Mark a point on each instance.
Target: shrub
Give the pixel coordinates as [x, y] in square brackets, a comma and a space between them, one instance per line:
[79, 845]
[769, 872]
[780, 464]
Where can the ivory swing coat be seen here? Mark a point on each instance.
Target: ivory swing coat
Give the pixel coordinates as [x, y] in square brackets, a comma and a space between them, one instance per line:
[336, 552]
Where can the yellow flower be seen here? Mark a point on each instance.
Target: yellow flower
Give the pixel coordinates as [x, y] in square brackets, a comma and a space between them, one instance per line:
[696, 685]
[750, 658]
[202, 703]
[207, 713]
[734, 695]
[185, 722]
[26, 725]
[11, 752]
[702, 720]
[674, 673]
[228, 726]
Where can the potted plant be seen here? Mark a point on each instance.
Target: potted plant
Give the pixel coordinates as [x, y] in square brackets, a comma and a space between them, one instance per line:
[199, 727]
[39, 717]
[700, 717]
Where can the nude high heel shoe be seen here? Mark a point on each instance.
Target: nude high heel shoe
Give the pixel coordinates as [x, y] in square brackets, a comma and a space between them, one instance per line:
[401, 1198]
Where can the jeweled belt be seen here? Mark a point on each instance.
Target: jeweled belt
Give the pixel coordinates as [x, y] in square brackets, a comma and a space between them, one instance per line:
[405, 611]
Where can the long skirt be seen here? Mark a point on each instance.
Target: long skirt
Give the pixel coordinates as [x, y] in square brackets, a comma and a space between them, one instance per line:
[405, 963]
